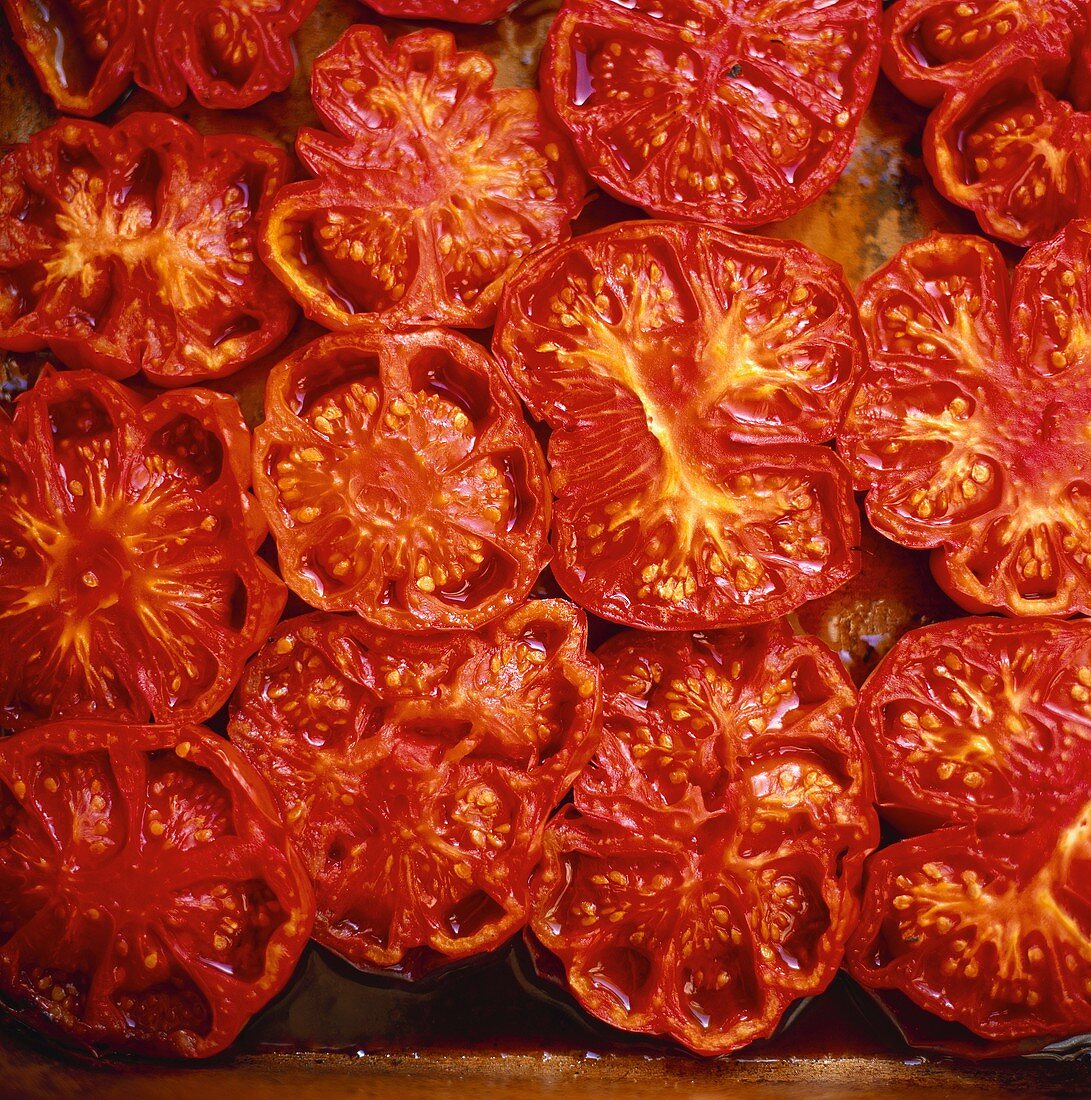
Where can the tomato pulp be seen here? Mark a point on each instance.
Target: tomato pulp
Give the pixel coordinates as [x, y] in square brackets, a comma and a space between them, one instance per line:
[417, 773]
[150, 901]
[689, 376]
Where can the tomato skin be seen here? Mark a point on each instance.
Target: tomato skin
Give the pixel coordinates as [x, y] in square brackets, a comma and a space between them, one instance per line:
[671, 104]
[430, 185]
[449, 11]
[932, 47]
[1011, 148]
[129, 582]
[707, 874]
[688, 375]
[150, 900]
[979, 730]
[967, 427]
[85, 53]
[133, 247]
[434, 762]
[401, 481]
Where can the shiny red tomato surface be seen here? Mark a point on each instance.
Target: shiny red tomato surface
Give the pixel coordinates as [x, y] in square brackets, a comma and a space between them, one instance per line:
[417, 773]
[1010, 80]
[707, 874]
[401, 481]
[430, 186]
[980, 731]
[932, 47]
[1012, 144]
[129, 584]
[689, 376]
[969, 429]
[134, 247]
[150, 900]
[228, 53]
[449, 11]
[730, 111]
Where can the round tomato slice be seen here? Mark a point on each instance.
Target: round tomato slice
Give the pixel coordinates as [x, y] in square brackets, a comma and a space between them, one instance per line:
[980, 721]
[431, 186]
[150, 900]
[401, 480]
[932, 47]
[969, 428]
[417, 773]
[1011, 148]
[706, 876]
[990, 931]
[129, 584]
[135, 247]
[688, 375]
[81, 51]
[450, 11]
[229, 53]
[981, 730]
[733, 111]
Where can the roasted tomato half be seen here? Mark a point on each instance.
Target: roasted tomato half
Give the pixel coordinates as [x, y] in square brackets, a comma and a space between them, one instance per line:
[982, 727]
[401, 480]
[970, 427]
[229, 53]
[150, 899]
[450, 11]
[430, 186]
[417, 773]
[1010, 146]
[689, 375]
[134, 247]
[980, 721]
[707, 875]
[734, 111]
[129, 584]
[931, 47]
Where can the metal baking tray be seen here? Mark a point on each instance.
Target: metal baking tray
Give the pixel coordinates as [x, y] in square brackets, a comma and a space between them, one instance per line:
[492, 1025]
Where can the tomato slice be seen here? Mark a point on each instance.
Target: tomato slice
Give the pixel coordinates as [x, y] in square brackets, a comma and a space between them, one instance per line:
[688, 375]
[980, 721]
[81, 51]
[129, 584]
[430, 187]
[229, 53]
[150, 900]
[981, 730]
[969, 426]
[401, 481]
[135, 247]
[1010, 146]
[450, 11]
[988, 931]
[740, 113]
[706, 876]
[417, 773]
[932, 47]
